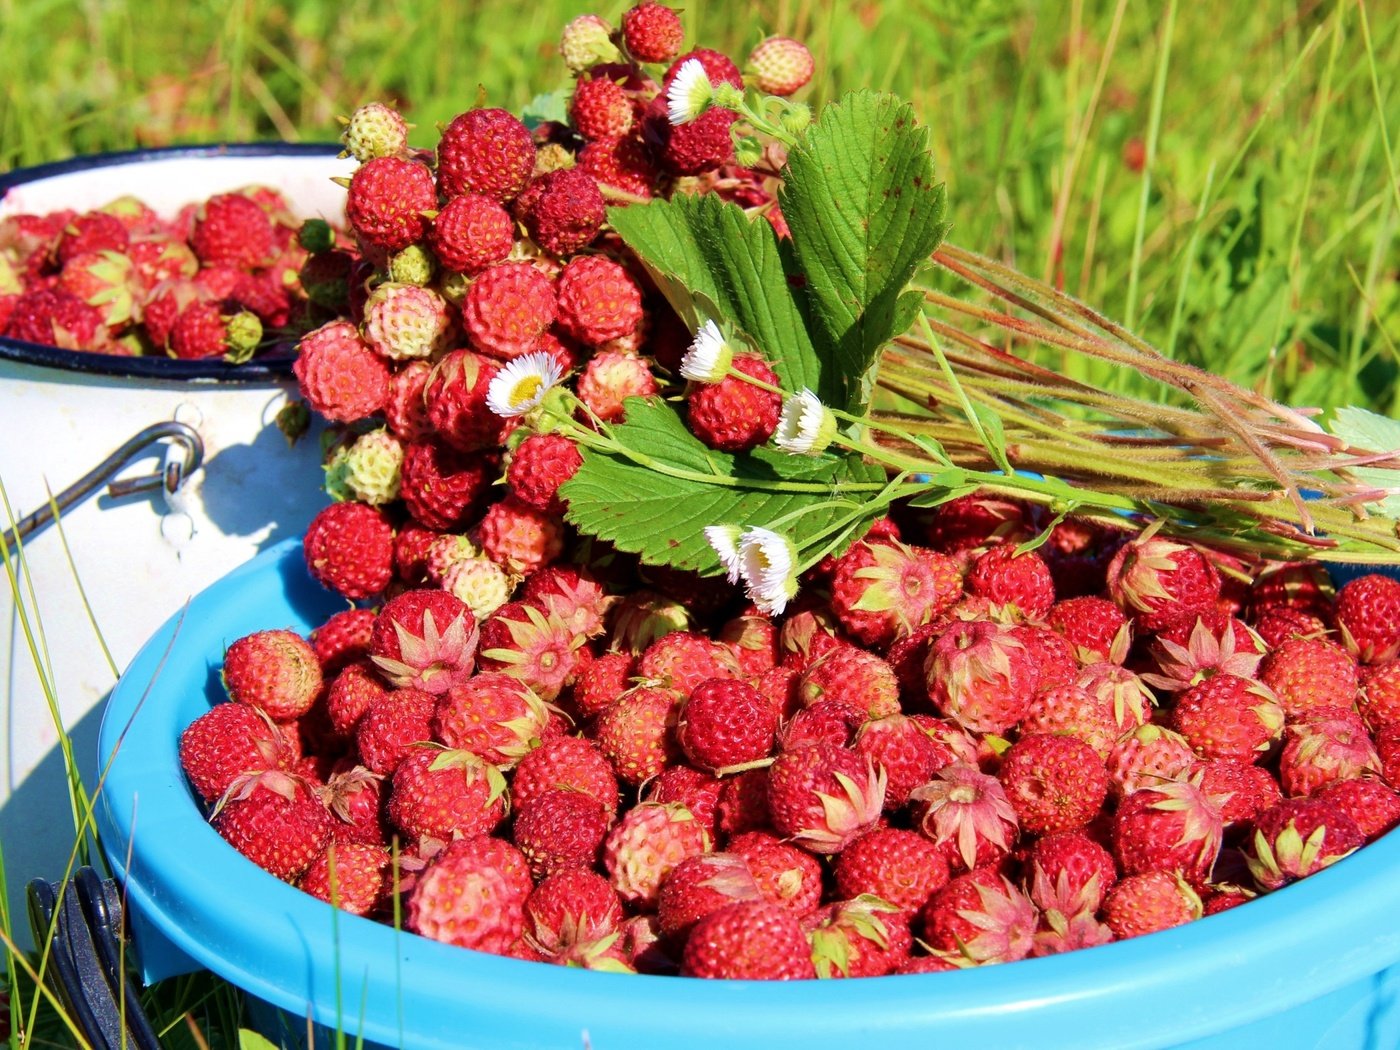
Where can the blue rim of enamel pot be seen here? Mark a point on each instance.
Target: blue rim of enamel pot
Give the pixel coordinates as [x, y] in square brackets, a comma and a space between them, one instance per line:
[273, 363]
[1335, 930]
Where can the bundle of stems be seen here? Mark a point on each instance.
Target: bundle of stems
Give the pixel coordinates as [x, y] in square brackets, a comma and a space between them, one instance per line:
[1227, 465]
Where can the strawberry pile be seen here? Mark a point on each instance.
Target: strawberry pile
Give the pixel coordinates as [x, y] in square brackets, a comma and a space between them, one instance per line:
[213, 281]
[949, 752]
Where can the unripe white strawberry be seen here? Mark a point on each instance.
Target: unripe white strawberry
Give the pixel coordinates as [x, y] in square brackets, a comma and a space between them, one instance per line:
[780, 65]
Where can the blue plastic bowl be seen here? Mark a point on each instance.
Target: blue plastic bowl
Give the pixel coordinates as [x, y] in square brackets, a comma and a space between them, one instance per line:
[1314, 965]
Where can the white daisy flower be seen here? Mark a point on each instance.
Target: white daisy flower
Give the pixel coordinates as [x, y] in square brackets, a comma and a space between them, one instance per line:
[522, 383]
[768, 564]
[806, 426]
[709, 356]
[725, 540]
[690, 93]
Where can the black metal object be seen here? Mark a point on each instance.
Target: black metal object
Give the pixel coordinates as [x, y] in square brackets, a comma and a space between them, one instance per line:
[81, 922]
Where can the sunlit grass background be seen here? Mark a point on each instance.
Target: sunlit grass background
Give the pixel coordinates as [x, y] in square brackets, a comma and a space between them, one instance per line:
[1222, 177]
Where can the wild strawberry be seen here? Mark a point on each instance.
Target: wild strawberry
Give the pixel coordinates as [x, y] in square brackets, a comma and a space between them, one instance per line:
[1243, 790]
[967, 815]
[1149, 902]
[1154, 580]
[865, 937]
[570, 908]
[440, 486]
[107, 281]
[1378, 698]
[821, 796]
[518, 537]
[719, 67]
[901, 867]
[481, 584]
[565, 212]
[507, 308]
[1370, 802]
[855, 677]
[1301, 585]
[93, 231]
[404, 408]
[598, 300]
[733, 415]
[342, 639]
[275, 820]
[609, 379]
[1368, 617]
[1228, 717]
[565, 763]
[748, 940]
[1053, 656]
[684, 659]
[981, 676]
[832, 721]
[339, 375]
[982, 916]
[1296, 838]
[539, 465]
[787, 876]
[274, 670]
[1095, 628]
[204, 329]
[485, 151]
[725, 722]
[403, 321]
[472, 895]
[697, 791]
[560, 830]
[646, 844]
[635, 733]
[1322, 745]
[1055, 783]
[1071, 710]
[445, 794]
[227, 741]
[652, 32]
[354, 876]
[354, 795]
[968, 522]
[1174, 826]
[600, 684]
[622, 163]
[1276, 624]
[1007, 578]
[386, 200]
[1185, 660]
[387, 731]
[492, 715]
[230, 229]
[909, 757]
[600, 108]
[780, 65]
[1070, 873]
[470, 233]
[424, 639]
[374, 130]
[54, 317]
[1146, 757]
[1123, 692]
[349, 549]
[373, 467]
[698, 885]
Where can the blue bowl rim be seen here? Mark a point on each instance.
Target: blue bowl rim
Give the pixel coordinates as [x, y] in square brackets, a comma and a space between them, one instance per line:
[273, 364]
[1230, 969]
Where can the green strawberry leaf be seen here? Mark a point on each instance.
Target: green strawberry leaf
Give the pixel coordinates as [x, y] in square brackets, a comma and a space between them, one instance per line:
[657, 490]
[1361, 429]
[865, 213]
[547, 107]
[715, 263]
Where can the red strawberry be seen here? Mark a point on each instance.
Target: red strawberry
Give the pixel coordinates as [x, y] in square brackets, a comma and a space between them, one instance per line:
[622, 163]
[652, 32]
[565, 763]
[600, 684]
[967, 815]
[1296, 838]
[1095, 627]
[684, 659]
[354, 795]
[1174, 827]
[1323, 745]
[350, 695]
[1155, 580]
[386, 200]
[865, 937]
[350, 549]
[1071, 710]
[853, 676]
[787, 876]
[882, 590]
[440, 486]
[696, 791]
[1070, 873]
[1148, 756]
[456, 398]
[339, 375]
[227, 741]
[93, 231]
[1149, 902]
[1228, 717]
[507, 309]
[275, 820]
[748, 940]
[208, 329]
[1005, 577]
[472, 895]
[275, 670]
[485, 151]
[1055, 783]
[424, 639]
[231, 229]
[354, 876]
[725, 722]
[598, 300]
[743, 802]
[445, 794]
[1379, 695]
[982, 916]
[600, 108]
[342, 639]
[386, 733]
[1121, 690]
[635, 733]
[697, 886]
[1371, 803]
[532, 645]
[981, 676]
[1276, 624]
[1368, 617]
[901, 867]
[821, 796]
[492, 715]
[470, 233]
[1310, 672]
[908, 755]
[539, 465]
[646, 844]
[560, 830]
[733, 415]
[1243, 790]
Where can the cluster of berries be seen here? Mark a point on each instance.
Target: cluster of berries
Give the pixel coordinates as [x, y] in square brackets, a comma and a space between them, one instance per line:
[209, 282]
[485, 262]
[949, 751]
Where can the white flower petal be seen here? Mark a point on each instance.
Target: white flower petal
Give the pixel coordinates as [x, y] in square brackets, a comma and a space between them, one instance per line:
[725, 540]
[522, 383]
[709, 356]
[690, 92]
[768, 564]
[806, 426]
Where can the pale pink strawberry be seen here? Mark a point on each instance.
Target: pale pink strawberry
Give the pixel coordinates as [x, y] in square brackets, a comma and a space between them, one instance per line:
[1228, 717]
[494, 716]
[1368, 617]
[898, 866]
[1006, 577]
[882, 589]
[981, 916]
[472, 895]
[1054, 783]
[1296, 838]
[636, 733]
[646, 844]
[609, 379]
[1322, 745]
[1310, 672]
[1174, 827]
[533, 645]
[1123, 691]
[1372, 803]
[981, 676]
[821, 796]
[518, 537]
[966, 813]
[864, 937]
[445, 794]
[1155, 580]
[1148, 756]
[1095, 628]
[425, 639]
[568, 763]
[1071, 710]
[1149, 902]
[275, 819]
